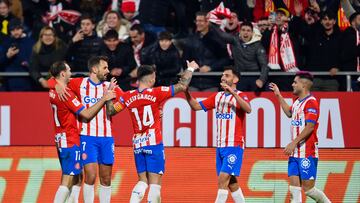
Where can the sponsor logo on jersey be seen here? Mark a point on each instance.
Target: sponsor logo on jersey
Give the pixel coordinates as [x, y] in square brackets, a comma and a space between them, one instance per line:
[297, 122]
[88, 99]
[224, 115]
[312, 110]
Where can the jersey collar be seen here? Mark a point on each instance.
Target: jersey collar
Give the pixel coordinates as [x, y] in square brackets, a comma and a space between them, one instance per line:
[95, 84]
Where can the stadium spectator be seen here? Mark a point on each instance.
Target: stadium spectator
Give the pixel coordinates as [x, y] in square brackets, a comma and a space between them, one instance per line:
[165, 57]
[350, 46]
[139, 39]
[47, 50]
[15, 56]
[128, 9]
[83, 45]
[322, 41]
[263, 24]
[153, 15]
[112, 20]
[249, 56]
[208, 50]
[5, 17]
[233, 25]
[121, 59]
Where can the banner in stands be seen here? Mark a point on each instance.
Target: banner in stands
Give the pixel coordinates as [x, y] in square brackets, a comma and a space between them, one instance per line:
[26, 119]
[32, 174]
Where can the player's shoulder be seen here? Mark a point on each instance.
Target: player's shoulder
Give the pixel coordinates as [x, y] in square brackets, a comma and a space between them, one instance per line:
[312, 101]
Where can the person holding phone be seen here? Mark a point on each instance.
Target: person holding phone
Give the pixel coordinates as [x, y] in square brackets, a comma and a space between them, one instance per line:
[14, 57]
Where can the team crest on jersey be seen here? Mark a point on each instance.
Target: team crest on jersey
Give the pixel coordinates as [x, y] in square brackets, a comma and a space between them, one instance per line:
[76, 102]
[165, 89]
[231, 158]
[305, 163]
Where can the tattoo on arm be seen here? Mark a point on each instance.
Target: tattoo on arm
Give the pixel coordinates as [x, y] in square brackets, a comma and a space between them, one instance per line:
[110, 110]
[186, 78]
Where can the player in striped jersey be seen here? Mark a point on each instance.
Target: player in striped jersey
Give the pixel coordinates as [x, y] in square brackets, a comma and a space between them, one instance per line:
[231, 107]
[97, 143]
[303, 150]
[67, 133]
[144, 104]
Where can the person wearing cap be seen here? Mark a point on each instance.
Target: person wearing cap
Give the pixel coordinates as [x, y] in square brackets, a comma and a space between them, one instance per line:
[303, 149]
[350, 46]
[120, 58]
[165, 57]
[15, 56]
[128, 9]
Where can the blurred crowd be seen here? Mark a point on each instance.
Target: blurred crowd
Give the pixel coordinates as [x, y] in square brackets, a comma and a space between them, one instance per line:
[252, 35]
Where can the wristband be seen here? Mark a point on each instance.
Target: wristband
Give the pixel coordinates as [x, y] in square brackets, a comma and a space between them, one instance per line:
[190, 69]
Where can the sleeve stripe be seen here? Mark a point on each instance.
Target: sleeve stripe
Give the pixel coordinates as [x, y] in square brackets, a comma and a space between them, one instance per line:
[310, 121]
[172, 90]
[78, 111]
[202, 106]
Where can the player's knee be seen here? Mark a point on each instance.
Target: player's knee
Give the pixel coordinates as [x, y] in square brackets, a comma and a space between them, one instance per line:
[223, 181]
[308, 186]
[90, 178]
[105, 180]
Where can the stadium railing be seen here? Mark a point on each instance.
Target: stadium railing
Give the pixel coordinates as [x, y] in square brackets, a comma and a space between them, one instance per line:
[346, 74]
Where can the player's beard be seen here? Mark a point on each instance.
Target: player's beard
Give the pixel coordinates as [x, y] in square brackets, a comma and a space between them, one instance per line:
[101, 76]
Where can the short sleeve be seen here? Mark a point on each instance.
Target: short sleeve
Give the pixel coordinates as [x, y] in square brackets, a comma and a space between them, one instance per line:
[74, 104]
[208, 103]
[311, 111]
[164, 92]
[119, 100]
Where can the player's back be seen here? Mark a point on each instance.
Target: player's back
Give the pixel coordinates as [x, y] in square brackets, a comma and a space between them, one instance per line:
[144, 107]
[65, 119]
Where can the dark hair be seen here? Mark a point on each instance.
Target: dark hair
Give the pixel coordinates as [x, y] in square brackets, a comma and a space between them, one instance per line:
[353, 16]
[233, 70]
[305, 75]
[201, 13]
[87, 16]
[95, 60]
[111, 34]
[165, 35]
[329, 14]
[138, 28]
[7, 2]
[263, 18]
[145, 70]
[57, 67]
[248, 24]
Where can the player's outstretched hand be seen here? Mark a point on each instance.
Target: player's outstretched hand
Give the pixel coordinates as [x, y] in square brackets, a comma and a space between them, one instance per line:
[274, 88]
[113, 84]
[289, 149]
[109, 95]
[192, 64]
[62, 91]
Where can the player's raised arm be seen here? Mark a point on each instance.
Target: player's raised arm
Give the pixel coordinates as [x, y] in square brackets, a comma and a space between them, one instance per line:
[192, 101]
[285, 107]
[185, 79]
[91, 112]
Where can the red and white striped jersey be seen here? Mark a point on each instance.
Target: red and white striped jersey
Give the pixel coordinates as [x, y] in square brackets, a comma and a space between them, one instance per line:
[229, 118]
[305, 111]
[65, 120]
[144, 108]
[89, 93]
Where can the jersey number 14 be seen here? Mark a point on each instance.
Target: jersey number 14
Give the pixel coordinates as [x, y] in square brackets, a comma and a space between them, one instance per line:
[147, 116]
